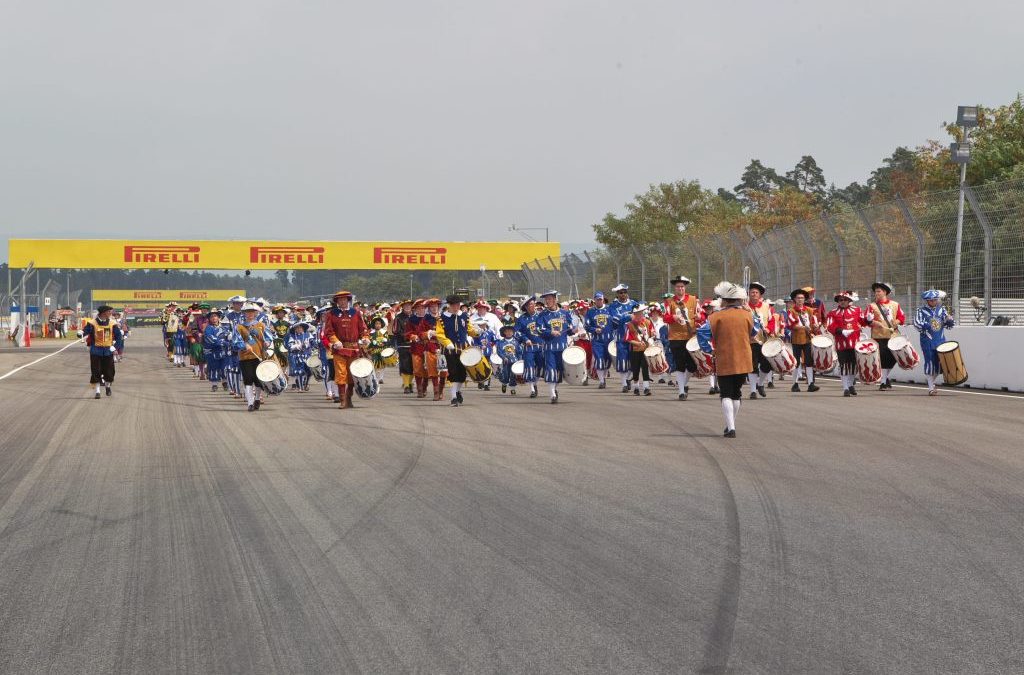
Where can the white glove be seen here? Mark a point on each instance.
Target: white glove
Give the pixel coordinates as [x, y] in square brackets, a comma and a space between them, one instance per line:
[847, 332]
[449, 347]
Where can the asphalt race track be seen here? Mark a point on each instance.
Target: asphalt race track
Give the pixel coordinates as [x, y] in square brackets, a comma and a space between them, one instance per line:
[168, 530]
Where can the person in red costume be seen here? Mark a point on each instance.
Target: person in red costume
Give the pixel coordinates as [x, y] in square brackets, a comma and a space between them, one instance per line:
[844, 323]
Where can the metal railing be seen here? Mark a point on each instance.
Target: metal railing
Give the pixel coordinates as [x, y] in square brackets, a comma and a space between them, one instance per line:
[907, 242]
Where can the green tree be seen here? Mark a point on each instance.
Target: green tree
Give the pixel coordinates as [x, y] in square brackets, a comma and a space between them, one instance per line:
[758, 178]
[807, 177]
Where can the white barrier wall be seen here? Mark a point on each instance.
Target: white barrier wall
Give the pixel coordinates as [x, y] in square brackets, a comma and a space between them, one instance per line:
[992, 355]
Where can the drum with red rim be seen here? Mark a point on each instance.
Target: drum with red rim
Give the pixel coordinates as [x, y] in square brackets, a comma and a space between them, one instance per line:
[869, 362]
[906, 356]
[705, 362]
[778, 355]
[823, 353]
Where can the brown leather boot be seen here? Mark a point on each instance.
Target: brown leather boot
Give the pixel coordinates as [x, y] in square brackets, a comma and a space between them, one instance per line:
[342, 394]
[346, 400]
[421, 387]
[437, 390]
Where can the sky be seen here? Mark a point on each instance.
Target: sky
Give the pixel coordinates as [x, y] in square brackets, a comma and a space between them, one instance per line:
[420, 119]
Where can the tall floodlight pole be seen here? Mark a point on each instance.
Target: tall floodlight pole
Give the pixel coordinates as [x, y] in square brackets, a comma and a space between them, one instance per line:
[966, 119]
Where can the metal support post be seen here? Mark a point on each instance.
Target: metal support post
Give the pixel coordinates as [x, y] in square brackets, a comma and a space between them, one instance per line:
[919, 235]
[987, 228]
[879, 251]
[840, 247]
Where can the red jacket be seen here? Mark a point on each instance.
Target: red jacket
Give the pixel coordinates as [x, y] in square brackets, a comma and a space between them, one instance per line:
[416, 329]
[347, 327]
[851, 319]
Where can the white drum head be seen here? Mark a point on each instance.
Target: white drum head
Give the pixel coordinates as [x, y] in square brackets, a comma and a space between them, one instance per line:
[612, 349]
[519, 367]
[268, 371]
[867, 346]
[692, 345]
[496, 360]
[387, 352]
[574, 355]
[470, 357]
[313, 361]
[654, 350]
[820, 341]
[361, 367]
[950, 346]
[898, 342]
[772, 347]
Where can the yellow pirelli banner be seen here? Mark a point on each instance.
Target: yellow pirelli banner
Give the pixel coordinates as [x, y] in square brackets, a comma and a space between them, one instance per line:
[150, 298]
[273, 255]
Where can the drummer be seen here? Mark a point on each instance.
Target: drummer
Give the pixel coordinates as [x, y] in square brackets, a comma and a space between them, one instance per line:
[346, 332]
[803, 323]
[556, 329]
[510, 351]
[528, 334]
[640, 335]
[253, 341]
[763, 310]
[932, 320]
[621, 312]
[598, 323]
[727, 333]
[844, 323]
[682, 315]
[885, 317]
[454, 331]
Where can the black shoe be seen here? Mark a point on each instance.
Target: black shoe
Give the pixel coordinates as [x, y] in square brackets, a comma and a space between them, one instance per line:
[256, 404]
[853, 391]
[882, 387]
[487, 387]
[251, 407]
[647, 392]
[458, 397]
[730, 433]
[337, 399]
[795, 387]
[585, 383]
[771, 385]
[813, 387]
[224, 385]
[554, 400]
[753, 396]
[682, 397]
[97, 394]
[636, 391]
[625, 389]
[533, 393]
[455, 402]
[504, 388]
[479, 385]
[602, 385]
[108, 390]
[714, 390]
[512, 392]
[213, 388]
[846, 393]
[760, 392]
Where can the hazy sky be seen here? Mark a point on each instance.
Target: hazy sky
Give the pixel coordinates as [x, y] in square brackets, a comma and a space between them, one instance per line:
[451, 120]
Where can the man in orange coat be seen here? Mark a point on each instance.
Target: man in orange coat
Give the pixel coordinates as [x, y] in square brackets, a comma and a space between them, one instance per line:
[346, 334]
[727, 333]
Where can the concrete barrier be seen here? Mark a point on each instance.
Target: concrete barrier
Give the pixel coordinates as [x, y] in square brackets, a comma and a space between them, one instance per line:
[992, 355]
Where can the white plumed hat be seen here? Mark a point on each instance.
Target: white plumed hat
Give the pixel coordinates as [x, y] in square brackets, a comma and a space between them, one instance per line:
[730, 291]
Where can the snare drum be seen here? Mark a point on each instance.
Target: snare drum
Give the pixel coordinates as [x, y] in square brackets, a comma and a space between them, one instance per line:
[778, 355]
[823, 353]
[869, 363]
[477, 367]
[574, 362]
[363, 379]
[906, 356]
[951, 362]
[315, 367]
[613, 351]
[271, 376]
[656, 361]
[496, 361]
[705, 362]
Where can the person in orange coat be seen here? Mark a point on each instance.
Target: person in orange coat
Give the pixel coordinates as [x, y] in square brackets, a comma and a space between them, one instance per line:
[346, 334]
[730, 329]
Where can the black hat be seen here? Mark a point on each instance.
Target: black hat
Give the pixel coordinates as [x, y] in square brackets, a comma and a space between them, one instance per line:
[797, 292]
[758, 285]
[453, 298]
[679, 279]
[104, 308]
[884, 286]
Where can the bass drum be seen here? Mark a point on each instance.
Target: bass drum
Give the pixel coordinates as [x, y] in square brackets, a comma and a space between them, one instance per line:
[363, 379]
[574, 362]
[952, 363]
[477, 367]
[518, 369]
[271, 376]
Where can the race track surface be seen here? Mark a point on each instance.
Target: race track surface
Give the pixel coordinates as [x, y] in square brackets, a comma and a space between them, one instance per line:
[168, 530]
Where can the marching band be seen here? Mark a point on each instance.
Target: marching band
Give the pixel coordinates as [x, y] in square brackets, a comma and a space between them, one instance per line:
[252, 349]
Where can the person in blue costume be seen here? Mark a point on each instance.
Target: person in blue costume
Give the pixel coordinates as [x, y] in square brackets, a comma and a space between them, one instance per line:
[932, 320]
[621, 309]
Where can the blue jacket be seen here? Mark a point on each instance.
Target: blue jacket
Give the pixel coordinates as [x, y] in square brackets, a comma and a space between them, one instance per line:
[622, 313]
[933, 324]
[600, 319]
[217, 340]
[509, 350]
[528, 328]
[554, 321]
[456, 328]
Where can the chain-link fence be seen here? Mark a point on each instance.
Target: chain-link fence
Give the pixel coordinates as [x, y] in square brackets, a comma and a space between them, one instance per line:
[907, 242]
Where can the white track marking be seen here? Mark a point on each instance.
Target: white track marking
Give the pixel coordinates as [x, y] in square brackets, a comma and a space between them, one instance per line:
[942, 390]
[41, 358]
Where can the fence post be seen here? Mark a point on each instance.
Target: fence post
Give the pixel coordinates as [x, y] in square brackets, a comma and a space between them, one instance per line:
[720, 244]
[879, 252]
[809, 243]
[593, 273]
[760, 258]
[643, 273]
[840, 246]
[570, 271]
[700, 267]
[787, 246]
[617, 259]
[668, 267]
[919, 262]
[987, 227]
[529, 279]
